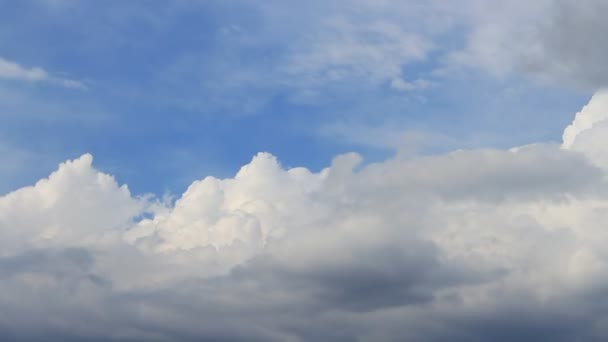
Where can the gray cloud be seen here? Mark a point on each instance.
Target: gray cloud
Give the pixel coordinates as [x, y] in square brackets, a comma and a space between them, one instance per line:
[556, 41]
[572, 44]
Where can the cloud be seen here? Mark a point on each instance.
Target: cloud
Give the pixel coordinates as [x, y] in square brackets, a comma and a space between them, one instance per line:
[555, 41]
[591, 115]
[373, 52]
[571, 44]
[477, 245]
[13, 71]
[587, 133]
[306, 52]
[65, 208]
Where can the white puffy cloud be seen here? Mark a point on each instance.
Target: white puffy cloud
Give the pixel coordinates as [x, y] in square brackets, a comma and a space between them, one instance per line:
[592, 114]
[476, 245]
[75, 205]
[253, 206]
[588, 131]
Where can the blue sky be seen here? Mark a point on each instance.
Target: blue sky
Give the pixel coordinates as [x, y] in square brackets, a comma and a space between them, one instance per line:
[166, 92]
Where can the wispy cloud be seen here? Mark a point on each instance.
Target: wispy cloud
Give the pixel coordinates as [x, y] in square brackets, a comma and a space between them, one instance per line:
[14, 71]
[374, 52]
[11, 70]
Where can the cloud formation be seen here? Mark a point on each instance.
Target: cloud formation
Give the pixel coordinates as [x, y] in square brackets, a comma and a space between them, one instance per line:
[470, 245]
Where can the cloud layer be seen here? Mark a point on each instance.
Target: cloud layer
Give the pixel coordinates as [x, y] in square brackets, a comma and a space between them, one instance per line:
[472, 245]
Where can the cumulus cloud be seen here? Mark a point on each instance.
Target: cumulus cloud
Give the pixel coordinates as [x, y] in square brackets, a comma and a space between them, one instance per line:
[587, 133]
[469, 245]
[65, 208]
[13, 71]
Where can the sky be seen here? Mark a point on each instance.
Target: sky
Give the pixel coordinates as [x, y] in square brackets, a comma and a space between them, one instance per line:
[347, 170]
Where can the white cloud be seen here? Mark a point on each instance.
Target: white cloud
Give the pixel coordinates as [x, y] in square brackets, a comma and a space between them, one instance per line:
[375, 51]
[588, 131]
[13, 71]
[76, 205]
[468, 244]
[591, 115]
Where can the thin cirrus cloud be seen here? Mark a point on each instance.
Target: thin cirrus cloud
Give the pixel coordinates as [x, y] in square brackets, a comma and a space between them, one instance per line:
[425, 248]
